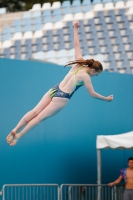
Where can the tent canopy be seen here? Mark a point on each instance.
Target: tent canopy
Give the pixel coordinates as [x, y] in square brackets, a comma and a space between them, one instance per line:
[121, 141]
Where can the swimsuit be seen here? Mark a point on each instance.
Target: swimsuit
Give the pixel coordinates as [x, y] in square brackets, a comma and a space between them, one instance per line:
[57, 92]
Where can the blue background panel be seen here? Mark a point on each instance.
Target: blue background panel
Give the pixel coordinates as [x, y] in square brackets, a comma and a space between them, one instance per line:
[61, 149]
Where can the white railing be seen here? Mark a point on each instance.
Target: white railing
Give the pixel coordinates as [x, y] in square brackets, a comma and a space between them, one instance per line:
[30, 192]
[63, 192]
[86, 192]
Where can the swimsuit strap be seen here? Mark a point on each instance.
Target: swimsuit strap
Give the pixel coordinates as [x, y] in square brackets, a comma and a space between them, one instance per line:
[75, 72]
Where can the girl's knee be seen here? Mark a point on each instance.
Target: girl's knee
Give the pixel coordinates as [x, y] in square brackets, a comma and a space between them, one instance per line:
[38, 119]
[34, 112]
[41, 117]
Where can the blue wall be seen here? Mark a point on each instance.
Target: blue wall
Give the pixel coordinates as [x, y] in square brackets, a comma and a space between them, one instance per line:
[61, 149]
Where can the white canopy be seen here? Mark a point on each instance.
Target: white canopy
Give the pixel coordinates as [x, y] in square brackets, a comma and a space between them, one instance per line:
[124, 140]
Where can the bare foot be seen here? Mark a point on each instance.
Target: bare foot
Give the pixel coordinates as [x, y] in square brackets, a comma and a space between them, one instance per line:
[11, 136]
[15, 140]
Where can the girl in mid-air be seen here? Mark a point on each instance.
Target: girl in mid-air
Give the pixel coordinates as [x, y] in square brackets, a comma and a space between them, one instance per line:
[59, 95]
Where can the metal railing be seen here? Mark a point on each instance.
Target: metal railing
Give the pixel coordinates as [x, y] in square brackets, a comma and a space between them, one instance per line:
[63, 192]
[86, 192]
[118, 191]
[30, 192]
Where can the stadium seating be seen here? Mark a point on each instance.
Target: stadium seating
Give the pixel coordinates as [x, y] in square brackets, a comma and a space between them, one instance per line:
[46, 32]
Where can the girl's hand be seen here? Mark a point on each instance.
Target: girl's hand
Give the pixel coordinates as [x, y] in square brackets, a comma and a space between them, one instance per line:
[76, 24]
[110, 98]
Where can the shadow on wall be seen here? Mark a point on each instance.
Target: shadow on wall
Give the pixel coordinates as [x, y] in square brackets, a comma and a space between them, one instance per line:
[61, 149]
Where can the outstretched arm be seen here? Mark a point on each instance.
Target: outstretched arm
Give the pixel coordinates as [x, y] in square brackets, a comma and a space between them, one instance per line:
[116, 181]
[78, 54]
[89, 87]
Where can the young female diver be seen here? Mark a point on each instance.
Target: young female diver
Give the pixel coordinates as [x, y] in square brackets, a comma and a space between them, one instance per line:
[58, 96]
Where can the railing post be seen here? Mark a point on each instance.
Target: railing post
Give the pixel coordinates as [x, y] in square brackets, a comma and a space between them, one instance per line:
[69, 193]
[59, 193]
[1, 192]
[115, 195]
[99, 166]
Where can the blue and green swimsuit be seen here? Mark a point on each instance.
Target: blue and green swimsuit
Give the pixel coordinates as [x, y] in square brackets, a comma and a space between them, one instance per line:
[57, 92]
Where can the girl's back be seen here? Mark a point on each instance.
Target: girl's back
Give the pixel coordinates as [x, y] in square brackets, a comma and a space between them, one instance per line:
[72, 79]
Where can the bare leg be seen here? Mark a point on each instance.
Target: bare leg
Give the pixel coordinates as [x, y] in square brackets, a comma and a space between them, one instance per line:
[29, 116]
[52, 108]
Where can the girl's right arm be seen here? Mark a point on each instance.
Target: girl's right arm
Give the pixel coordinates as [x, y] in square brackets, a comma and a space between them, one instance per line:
[90, 89]
[78, 54]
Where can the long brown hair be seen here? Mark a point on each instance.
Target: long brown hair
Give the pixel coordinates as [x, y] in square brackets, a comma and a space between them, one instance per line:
[91, 63]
